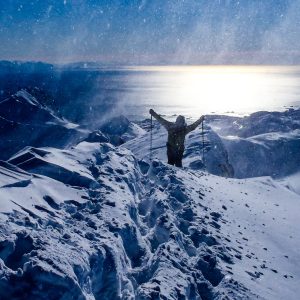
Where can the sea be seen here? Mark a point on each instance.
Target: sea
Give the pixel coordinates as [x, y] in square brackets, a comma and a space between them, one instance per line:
[196, 90]
[91, 95]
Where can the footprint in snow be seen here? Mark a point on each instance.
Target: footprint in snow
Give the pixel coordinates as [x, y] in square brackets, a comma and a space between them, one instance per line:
[273, 270]
[254, 275]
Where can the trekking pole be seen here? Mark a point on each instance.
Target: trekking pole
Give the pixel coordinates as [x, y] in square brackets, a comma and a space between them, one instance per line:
[151, 139]
[203, 143]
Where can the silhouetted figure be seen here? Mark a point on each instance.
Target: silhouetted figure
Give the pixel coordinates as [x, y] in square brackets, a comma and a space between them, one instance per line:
[176, 136]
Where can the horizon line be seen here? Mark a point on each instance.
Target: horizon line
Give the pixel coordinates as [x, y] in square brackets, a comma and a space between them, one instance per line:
[115, 64]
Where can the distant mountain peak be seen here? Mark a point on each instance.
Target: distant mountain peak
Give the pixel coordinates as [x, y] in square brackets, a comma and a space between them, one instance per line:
[26, 96]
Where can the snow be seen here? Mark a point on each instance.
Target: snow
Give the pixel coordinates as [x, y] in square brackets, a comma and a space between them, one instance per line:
[292, 182]
[24, 96]
[262, 144]
[97, 221]
[168, 232]
[263, 220]
[215, 152]
[26, 122]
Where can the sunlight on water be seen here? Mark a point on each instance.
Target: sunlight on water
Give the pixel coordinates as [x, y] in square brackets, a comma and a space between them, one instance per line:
[219, 89]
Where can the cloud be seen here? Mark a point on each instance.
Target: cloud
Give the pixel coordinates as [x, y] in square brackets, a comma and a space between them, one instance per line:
[154, 32]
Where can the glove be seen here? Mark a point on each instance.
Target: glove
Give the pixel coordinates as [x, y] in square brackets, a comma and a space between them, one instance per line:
[201, 119]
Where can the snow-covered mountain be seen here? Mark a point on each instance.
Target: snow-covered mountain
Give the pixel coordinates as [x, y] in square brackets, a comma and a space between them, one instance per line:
[8, 67]
[93, 222]
[88, 220]
[26, 122]
[264, 143]
[215, 154]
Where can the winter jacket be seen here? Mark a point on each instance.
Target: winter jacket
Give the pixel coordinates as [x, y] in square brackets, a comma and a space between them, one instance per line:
[177, 132]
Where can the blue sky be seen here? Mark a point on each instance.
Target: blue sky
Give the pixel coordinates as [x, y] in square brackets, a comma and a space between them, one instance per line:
[151, 31]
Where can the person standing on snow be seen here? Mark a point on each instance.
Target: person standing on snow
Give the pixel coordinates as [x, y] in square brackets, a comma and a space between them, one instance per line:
[176, 136]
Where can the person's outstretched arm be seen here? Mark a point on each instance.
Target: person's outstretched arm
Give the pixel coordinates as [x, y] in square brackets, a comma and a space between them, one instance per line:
[160, 119]
[195, 124]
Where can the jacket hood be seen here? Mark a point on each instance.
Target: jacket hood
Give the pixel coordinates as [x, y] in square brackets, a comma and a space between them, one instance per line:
[180, 121]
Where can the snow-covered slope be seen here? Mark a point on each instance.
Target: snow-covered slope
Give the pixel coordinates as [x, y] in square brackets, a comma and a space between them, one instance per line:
[120, 129]
[26, 122]
[93, 222]
[215, 154]
[264, 143]
[291, 182]
[97, 221]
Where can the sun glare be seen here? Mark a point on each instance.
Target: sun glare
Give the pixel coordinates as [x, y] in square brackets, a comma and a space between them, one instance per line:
[224, 89]
[221, 89]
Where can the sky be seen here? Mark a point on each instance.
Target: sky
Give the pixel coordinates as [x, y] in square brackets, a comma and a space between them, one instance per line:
[151, 32]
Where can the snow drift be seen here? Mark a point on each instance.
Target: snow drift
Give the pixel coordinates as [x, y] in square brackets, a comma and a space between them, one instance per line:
[96, 221]
[113, 235]
[99, 224]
